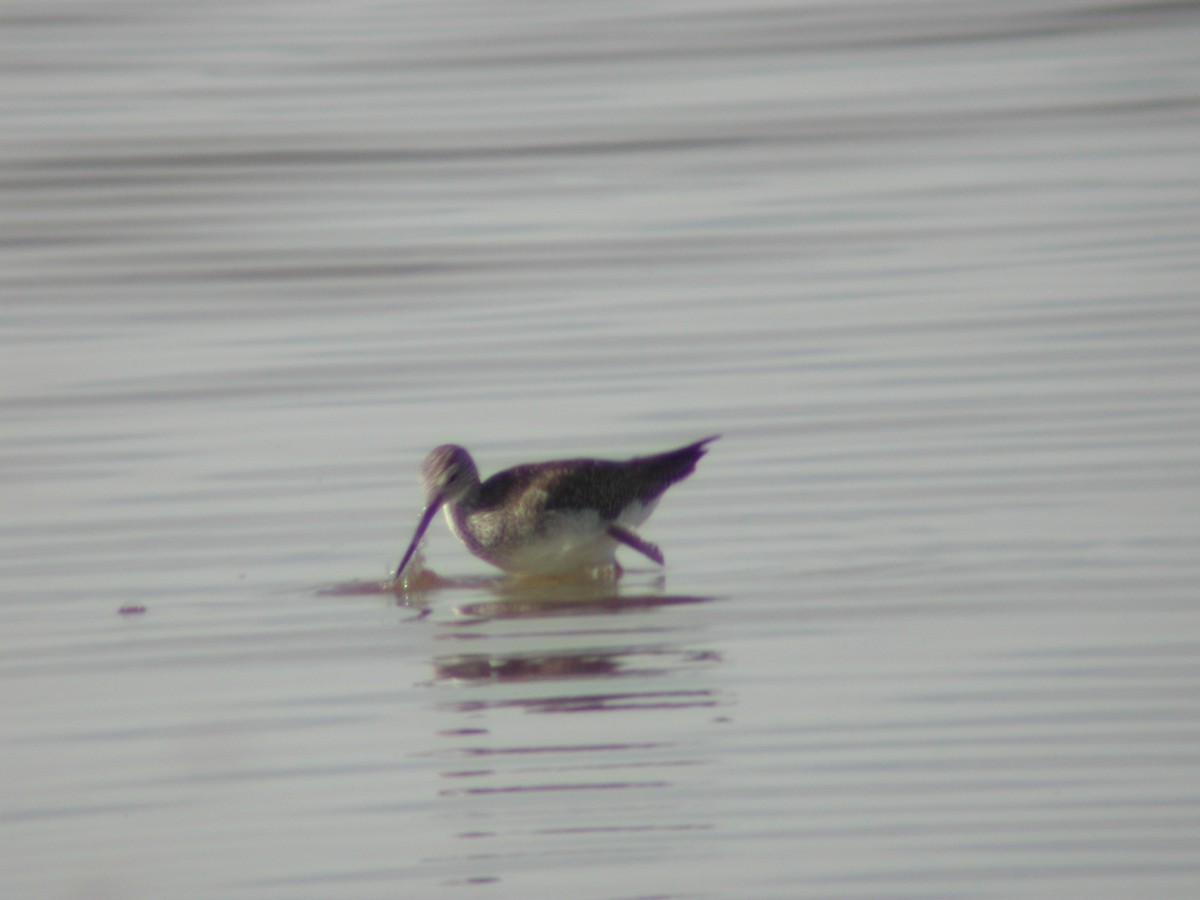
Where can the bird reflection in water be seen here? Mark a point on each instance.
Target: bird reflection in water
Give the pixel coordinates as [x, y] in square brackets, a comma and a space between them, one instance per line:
[634, 648]
[618, 652]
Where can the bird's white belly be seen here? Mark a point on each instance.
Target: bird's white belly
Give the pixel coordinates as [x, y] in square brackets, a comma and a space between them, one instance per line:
[566, 542]
[563, 541]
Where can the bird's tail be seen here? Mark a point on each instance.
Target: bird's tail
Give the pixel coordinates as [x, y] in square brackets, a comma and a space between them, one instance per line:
[664, 469]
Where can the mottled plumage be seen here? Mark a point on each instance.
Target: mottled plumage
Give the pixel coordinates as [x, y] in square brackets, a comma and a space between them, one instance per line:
[553, 517]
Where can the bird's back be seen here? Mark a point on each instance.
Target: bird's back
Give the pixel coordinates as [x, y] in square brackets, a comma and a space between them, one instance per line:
[606, 486]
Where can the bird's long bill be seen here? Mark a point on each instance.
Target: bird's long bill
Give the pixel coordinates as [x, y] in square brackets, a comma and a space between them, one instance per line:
[431, 509]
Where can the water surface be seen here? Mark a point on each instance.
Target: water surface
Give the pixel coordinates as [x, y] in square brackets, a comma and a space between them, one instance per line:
[928, 625]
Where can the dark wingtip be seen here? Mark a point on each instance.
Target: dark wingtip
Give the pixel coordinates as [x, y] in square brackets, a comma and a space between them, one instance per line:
[665, 469]
[700, 447]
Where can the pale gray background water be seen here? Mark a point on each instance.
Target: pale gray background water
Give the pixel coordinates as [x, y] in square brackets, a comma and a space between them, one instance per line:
[929, 622]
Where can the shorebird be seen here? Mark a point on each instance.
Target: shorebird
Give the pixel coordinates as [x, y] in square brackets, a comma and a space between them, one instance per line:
[551, 518]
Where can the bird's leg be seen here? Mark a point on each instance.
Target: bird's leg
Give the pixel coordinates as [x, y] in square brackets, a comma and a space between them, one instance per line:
[631, 539]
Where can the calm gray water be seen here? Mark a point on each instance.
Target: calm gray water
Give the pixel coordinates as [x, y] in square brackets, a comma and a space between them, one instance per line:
[929, 623]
